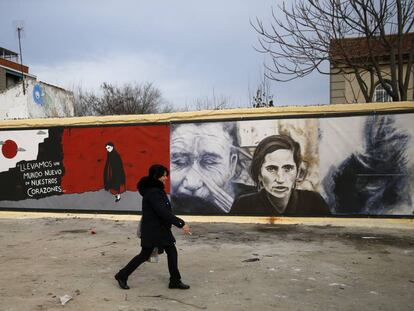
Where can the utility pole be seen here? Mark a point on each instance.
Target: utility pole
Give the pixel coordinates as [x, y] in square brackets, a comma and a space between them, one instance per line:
[19, 30]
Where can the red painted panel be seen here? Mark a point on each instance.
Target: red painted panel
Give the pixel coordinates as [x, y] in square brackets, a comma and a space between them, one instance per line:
[84, 154]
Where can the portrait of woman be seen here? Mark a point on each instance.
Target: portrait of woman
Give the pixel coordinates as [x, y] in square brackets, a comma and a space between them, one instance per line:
[275, 169]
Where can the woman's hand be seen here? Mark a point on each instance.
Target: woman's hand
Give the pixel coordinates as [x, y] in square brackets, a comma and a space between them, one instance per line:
[186, 229]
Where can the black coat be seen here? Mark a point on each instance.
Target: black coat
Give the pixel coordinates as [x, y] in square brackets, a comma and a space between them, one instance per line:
[301, 203]
[157, 216]
[114, 174]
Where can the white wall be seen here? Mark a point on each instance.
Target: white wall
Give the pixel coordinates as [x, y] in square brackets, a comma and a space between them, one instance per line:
[49, 101]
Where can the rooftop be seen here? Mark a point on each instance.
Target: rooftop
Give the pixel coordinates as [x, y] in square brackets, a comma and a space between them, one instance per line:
[10, 60]
[363, 47]
[9, 55]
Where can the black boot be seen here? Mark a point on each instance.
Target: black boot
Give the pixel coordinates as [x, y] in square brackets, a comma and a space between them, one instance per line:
[121, 281]
[179, 285]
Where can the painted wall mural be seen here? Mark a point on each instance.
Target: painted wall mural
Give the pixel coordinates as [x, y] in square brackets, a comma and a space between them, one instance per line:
[360, 165]
[373, 172]
[204, 167]
[90, 168]
[31, 166]
[348, 165]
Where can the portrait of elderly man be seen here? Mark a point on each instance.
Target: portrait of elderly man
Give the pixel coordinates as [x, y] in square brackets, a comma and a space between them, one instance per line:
[275, 169]
[204, 163]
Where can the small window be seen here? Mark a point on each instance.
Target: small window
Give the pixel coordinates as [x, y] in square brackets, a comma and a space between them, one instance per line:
[381, 95]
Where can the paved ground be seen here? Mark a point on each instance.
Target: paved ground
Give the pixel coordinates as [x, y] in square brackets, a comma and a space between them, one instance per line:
[229, 267]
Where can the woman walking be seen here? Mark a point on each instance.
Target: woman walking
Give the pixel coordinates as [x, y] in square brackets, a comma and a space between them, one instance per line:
[156, 222]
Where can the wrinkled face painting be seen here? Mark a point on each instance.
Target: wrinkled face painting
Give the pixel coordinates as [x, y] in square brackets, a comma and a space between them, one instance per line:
[278, 173]
[201, 159]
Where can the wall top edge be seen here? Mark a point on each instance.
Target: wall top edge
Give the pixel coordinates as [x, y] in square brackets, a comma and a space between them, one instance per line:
[208, 115]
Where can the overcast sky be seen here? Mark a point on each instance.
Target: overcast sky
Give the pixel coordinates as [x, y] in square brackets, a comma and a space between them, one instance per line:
[189, 49]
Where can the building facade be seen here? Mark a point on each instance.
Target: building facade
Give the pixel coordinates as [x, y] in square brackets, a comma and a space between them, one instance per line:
[350, 57]
[23, 96]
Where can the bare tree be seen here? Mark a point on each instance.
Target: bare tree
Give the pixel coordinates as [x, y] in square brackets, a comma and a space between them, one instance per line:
[262, 97]
[213, 102]
[84, 102]
[127, 99]
[365, 38]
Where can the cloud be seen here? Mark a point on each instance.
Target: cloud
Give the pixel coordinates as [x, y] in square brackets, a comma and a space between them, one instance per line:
[180, 83]
[188, 49]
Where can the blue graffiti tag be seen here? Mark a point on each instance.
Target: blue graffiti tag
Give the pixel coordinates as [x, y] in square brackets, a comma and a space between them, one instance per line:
[38, 94]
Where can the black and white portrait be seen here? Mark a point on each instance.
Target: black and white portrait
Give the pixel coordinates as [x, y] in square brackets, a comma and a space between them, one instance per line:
[276, 170]
[372, 176]
[205, 164]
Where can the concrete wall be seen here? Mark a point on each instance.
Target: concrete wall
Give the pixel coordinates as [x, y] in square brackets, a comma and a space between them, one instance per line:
[357, 159]
[41, 100]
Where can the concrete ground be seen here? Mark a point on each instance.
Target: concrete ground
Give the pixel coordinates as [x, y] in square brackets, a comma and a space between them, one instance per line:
[230, 266]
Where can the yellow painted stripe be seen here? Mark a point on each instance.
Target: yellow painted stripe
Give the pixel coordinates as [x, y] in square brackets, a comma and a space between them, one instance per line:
[211, 115]
[401, 223]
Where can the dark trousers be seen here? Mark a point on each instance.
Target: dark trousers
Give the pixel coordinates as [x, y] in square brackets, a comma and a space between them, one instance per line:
[143, 256]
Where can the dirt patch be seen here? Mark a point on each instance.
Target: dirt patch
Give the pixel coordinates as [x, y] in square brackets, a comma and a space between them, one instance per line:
[229, 267]
[73, 231]
[356, 236]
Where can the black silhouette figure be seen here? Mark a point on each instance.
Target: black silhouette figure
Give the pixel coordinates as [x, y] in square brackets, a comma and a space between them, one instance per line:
[114, 174]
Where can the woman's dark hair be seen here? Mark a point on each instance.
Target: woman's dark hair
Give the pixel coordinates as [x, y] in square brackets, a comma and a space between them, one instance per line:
[156, 171]
[268, 145]
[109, 143]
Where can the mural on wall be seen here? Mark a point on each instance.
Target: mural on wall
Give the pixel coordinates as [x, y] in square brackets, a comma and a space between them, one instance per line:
[79, 168]
[205, 164]
[50, 101]
[31, 166]
[276, 171]
[114, 174]
[348, 165]
[38, 94]
[300, 167]
[41, 100]
[215, 170]
[375, 175]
